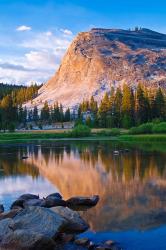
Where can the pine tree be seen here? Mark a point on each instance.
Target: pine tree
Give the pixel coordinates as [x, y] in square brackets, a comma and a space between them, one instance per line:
[103, 111]
[25, 115]
[20, 114]
[35, 114]
[127, 107]
[9, 112]
[93, 105]
[56, 112]
[159, 105]
[67, 115]
[61, 113]
[142, 106]
[118, 107]
[30, 115]
[94, 110]
[45, 112]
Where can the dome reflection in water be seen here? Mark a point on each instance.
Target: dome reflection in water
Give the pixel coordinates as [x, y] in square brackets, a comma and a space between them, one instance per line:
[131, 184]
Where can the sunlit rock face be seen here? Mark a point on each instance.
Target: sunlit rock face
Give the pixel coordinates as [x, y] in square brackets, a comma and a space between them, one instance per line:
[101, 58]
[131, 186]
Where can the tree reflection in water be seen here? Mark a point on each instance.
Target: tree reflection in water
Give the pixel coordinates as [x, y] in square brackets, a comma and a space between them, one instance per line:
[132, 185]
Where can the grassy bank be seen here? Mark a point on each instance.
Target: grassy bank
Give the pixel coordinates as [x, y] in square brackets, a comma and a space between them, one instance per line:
[143, 138]
[67, 135]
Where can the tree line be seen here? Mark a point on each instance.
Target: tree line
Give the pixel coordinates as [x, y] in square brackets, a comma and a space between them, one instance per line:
[121, 108]
[11, 99]
[47, 115]
[126, 107]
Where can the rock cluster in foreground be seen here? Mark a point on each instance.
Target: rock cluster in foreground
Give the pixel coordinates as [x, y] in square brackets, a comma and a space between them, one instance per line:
[47, 224]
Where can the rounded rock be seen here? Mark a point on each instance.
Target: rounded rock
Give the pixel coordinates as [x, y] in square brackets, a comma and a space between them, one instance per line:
[54, 195]
[28, 197]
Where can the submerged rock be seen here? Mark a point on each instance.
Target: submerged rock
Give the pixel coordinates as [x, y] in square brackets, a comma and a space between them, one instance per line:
[82, 242]
[75, 224]
[108, 247]
[24, 157]
[110, 242]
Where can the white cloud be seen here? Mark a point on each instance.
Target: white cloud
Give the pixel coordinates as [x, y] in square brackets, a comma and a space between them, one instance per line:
[46, 40]
[48, 33]
[41, 59]
[23, 28]
[40, 56]
[12, 66]
[67, 32]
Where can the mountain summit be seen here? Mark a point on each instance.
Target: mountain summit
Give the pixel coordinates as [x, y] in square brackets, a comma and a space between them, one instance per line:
[101, 58]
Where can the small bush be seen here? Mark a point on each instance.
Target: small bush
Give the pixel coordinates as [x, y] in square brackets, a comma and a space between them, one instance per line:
[159, 128]
[111, 132]
[115, 131]
[11, 127]
[81, 131]
[145, 128]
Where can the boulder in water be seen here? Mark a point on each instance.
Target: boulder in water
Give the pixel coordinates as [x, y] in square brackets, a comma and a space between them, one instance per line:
[82, 242]
[53, 202]
[28, 197]
[24, 157]
[18, 203]
[34, 202]
[54, 195]
[75, 224]
[83, 201]
[40, 220]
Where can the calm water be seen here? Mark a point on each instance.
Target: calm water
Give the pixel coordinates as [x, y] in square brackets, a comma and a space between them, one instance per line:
[132, 185]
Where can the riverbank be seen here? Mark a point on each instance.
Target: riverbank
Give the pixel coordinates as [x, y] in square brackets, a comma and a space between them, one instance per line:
[65, 135]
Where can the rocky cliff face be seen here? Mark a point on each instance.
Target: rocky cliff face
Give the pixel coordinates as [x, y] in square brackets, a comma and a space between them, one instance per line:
[101, 58]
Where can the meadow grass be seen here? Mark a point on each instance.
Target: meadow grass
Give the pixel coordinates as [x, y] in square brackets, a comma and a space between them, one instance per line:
[143, 138]
[67, 135]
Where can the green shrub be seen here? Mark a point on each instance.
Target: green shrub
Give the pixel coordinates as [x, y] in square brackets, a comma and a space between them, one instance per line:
[159, 128]
[11, 127]
[145, 128]
[115, 131]
[81, 131]
[110, 132]
[134, 131]
[156, 120]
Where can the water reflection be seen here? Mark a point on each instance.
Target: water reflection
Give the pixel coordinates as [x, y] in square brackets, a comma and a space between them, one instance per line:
[132, 185]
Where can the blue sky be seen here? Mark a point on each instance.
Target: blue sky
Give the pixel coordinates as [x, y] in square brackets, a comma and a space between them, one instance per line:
[34, 34]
